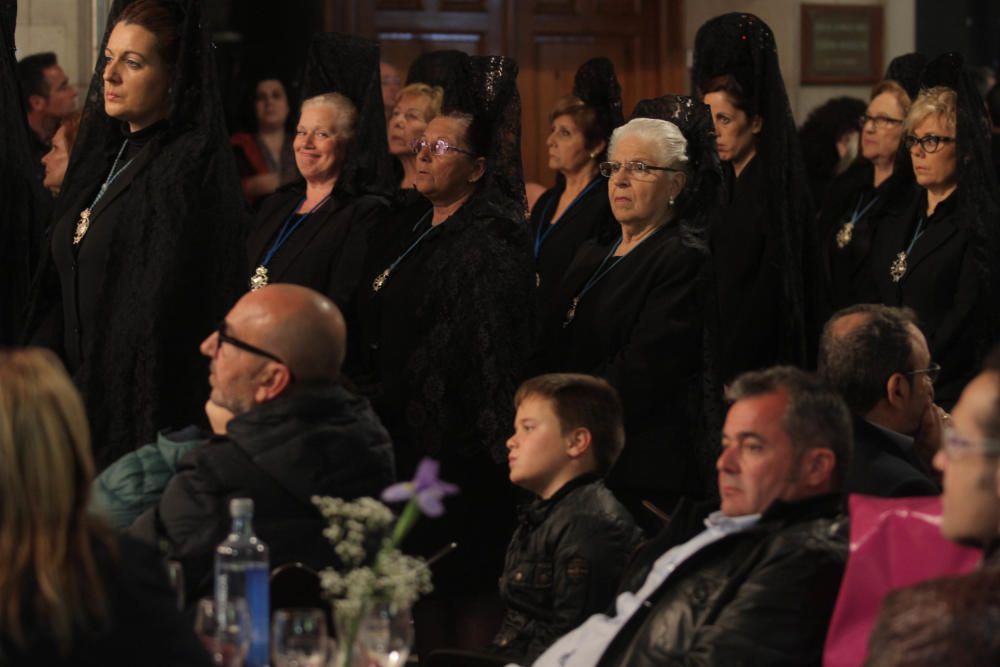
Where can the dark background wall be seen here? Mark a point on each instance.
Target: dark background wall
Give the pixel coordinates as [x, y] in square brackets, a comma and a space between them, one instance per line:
[971, 27]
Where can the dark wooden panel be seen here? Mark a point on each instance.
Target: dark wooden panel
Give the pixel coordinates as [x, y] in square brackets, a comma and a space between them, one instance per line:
[463, 6]
[559, 7]
[411, 5]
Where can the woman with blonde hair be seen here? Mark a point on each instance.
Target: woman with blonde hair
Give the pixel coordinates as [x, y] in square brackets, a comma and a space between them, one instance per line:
[70, 592]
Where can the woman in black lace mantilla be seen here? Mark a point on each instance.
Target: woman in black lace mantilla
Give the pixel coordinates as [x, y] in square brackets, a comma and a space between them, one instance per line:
[445, 325]
[147, 244]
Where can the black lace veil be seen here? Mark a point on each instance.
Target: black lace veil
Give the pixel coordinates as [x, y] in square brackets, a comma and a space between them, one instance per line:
[906, 70]
[596, 85]
[743, 46]
[444, 68]
[487, 90]
[349, 65]
[24, 206]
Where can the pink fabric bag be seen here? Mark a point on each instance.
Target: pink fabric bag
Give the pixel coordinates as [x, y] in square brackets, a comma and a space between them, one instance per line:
[895, 543]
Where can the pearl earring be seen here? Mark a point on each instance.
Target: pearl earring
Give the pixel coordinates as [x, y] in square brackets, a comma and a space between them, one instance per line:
[671, 201]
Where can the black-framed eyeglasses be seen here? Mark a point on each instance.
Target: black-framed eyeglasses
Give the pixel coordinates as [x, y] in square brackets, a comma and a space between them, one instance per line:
[881, 122]
[932, 372]
[439, 147]
[632, 167]
[930, 144]
[243, 345]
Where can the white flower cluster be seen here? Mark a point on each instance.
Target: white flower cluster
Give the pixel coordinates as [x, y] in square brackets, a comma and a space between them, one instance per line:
[359, 533]
[357, 529]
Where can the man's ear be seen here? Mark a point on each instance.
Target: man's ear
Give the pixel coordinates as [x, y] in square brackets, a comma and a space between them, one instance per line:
[36, 102]
[578, 442]
[274, 379]
[817, 466]
[897, 390]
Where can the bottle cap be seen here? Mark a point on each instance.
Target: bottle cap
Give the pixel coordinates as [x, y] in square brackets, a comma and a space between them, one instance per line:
[241, 507]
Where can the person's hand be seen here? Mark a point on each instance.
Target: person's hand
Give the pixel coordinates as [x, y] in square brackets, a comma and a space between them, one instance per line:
[218, 417]
[929, 436]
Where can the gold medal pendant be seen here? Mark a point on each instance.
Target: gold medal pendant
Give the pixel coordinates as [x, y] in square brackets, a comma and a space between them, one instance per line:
[82, 225]
[898, 268]
[844, 235]
[380, 280]
[258, 279]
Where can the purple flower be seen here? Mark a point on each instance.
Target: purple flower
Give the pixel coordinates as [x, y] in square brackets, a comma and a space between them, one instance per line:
[425, 487]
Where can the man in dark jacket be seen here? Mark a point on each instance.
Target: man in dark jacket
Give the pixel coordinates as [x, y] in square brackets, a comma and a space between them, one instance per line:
[755, 582]
[953, 621]
[295, 433]
[877, 358]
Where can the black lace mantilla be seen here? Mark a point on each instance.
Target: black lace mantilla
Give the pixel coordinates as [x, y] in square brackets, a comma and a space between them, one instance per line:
[349, 65]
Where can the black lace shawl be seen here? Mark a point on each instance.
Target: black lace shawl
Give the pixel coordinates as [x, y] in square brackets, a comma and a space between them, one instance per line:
[177, 256]
[21, 194]
[743, 46]
[349, 65]
[978, 205]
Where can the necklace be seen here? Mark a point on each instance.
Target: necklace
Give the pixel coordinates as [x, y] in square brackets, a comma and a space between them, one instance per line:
[846, 231]
[602, 270]
[898, 268]
[382, 277]
[83, 224]
[260, 278]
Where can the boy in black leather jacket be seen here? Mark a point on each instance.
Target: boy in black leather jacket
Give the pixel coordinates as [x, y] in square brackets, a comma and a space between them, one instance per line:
[570, 548]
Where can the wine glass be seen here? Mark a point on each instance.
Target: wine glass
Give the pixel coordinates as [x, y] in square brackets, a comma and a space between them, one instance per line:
[386, 634]
[298, 638]
[224, 630]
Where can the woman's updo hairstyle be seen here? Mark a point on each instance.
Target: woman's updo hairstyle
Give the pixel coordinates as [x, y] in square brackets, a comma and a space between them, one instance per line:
[163, 19]
[665, 139]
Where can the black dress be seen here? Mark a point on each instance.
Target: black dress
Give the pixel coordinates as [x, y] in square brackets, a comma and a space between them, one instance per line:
[746, 259]
[589, 216]
[940, 284]
[327, 251]
[640, 328]
[442, 347]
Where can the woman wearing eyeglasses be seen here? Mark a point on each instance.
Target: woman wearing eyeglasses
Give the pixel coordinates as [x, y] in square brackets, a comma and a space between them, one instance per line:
[314, 232]
[445, 324]
[940, 256]
[576, 209]
[872, 189]
[629, 310]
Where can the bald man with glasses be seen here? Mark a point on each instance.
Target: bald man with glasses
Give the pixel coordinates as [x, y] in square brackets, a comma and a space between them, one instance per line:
[287, 430]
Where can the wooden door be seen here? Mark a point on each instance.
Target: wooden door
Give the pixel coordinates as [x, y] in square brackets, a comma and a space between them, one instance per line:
[549, 38]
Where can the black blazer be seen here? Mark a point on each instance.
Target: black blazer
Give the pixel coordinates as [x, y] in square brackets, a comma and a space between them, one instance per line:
[881, 467]
[940, 284]
[328, 249]
[640, 327]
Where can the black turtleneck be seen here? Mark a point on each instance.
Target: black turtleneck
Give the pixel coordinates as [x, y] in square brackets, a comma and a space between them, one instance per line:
[137, 140]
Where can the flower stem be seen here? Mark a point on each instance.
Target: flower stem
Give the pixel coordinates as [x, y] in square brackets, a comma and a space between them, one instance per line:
[406, 520]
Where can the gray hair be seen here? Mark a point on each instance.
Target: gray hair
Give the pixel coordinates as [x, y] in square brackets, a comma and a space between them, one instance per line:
[816, 416]
[347, 114]
[668, 143]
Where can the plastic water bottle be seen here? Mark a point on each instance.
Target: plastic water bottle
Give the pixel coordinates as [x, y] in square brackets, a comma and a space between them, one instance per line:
[242, 568]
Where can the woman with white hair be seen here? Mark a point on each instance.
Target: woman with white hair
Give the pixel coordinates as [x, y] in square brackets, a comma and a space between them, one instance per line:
[315, 231]
[628, 310]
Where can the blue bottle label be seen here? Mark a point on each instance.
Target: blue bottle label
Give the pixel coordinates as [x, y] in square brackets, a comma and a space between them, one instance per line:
[258, 602]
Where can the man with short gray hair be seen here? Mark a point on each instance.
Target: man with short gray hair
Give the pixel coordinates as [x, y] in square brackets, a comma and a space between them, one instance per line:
[878, 359]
